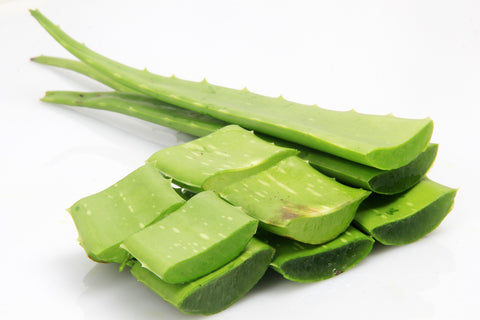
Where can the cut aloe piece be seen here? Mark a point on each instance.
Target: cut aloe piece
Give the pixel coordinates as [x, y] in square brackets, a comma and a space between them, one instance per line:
[384, 142]
[105, 219]
[217, 290]
[198, 238]
[301, 262]
[294, 200]
[407, 217]
[218, 159]
[379, 181]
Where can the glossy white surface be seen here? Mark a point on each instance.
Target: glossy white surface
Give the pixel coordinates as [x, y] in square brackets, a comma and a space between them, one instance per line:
[409, 58]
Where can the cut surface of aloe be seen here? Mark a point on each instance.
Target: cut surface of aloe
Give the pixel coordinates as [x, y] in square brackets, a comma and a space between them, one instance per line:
[216, 160]
[215, 291]
[301, 262]
[201, 236]
[294, 200]
[105, 219]
[384, 142]
[348, 172]
[407, 217]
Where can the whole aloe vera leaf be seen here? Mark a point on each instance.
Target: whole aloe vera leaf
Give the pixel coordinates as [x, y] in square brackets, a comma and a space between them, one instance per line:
[384, 142]
[141, 107]
[218, 159]
[215, 291]
[201, 236]
[301, 262]
[406, 217]
[345, 171]
[84, 69]
[105, 219]
[294, 200]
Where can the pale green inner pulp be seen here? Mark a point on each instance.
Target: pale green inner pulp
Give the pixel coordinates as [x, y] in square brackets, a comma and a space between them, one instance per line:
[196, 239]
[105, 219]
[293, 199]
[218, 159]
[384, 142]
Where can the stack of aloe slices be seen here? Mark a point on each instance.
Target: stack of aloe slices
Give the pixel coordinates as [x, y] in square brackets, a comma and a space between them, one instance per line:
[322, 186]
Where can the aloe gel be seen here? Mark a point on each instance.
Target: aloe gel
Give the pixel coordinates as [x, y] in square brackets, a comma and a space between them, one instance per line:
[301, 262]
[105, 219]
[201, 236]
[406, 217]
[215, 160]
[294, 200]
[215, 291]
[383, 142]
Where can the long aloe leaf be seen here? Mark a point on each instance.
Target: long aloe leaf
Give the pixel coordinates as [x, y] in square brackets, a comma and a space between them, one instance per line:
[301, 262]
[153, 110]
[406, 217]
[384, 142]
[217, 290]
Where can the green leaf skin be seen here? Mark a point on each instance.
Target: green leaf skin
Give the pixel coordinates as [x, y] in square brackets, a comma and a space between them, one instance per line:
[302, 262]
[105, 219]
[217, 290]
[407, 217]
[141, 107]
[216, 160]
[294, 200]
[82, 68]
[348, 172]
[379, 181]
[383, 142]
[198, 238]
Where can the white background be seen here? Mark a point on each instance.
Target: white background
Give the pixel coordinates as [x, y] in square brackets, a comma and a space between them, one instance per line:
[410, 58]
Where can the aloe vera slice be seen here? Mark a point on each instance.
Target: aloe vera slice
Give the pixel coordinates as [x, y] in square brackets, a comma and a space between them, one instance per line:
[215, 291]
[351, 173]
[384, 142]
[218, 159]
[105, 219]
[407, 217]
[294, 200]
[301, 262]
[198, 238]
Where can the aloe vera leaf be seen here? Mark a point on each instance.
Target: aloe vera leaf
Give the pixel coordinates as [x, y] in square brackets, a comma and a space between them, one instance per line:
[301, 262]
[218, 159]
[198, 238]
[348, 172]
[215, 291]
[406, 217]
[384, 142]
[294, 200]
[105, 219]
[379, 181]
[142, 107]
[84, 69]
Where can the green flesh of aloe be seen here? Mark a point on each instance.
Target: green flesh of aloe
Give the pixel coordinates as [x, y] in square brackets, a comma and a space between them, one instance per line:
[201, 236]
[406, 217]
[217, 290]
[294, 200]
[345, 171]
[218, 159]
[384, 142]
[301, 262]
[105, 219]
